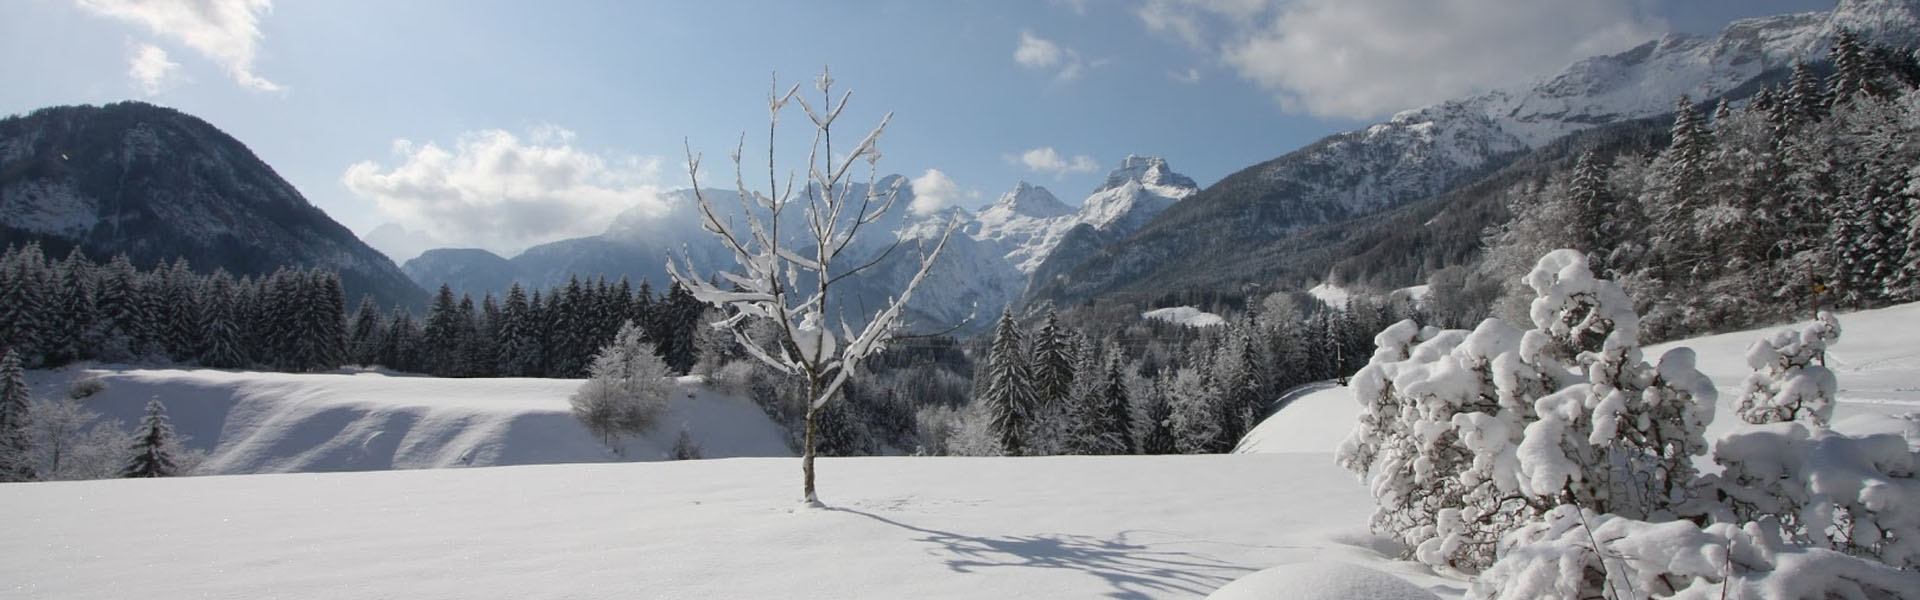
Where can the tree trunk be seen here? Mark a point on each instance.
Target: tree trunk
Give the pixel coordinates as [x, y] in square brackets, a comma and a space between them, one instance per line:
[806, 460]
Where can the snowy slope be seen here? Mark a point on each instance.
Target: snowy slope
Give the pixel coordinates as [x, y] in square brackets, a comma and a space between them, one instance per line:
[1877, 361]
[1063, 527]
[284, 423]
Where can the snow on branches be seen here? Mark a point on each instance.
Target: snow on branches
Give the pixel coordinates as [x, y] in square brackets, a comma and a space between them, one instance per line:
[787, 282]
[1465, 436]
[1786, 384]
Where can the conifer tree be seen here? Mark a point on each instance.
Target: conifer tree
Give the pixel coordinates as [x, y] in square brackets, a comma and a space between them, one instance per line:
[1114, 419]
[519, 336]
[363, 337]
[1156, 431]
[24, 311]
[401, 349]
[73, 333]
[222, 341]
[1856, 72]
[1052, 364]
[151, 454]
[16, 421]
[121, 312]
[1597, 233]
[1010, 395]
[179, 329]
[440, 339]
[1806, 98]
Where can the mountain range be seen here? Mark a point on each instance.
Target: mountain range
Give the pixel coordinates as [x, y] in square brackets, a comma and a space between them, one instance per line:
[984, 268]
[1225, 236]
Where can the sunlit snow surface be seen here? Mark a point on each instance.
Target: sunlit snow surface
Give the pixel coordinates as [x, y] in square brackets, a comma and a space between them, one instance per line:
[1185, 315]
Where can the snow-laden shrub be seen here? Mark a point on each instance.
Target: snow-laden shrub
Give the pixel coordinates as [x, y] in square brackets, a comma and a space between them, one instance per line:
[1857, 495]
[1465, 436]
[1786, 385]
[625, 391]
[1576, 554]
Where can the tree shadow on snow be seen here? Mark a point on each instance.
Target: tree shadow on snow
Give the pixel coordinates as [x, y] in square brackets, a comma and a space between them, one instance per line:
[1135, 570]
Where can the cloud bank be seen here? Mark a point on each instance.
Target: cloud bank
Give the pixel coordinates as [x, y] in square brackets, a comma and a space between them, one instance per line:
[497, 191]
[1368, 58]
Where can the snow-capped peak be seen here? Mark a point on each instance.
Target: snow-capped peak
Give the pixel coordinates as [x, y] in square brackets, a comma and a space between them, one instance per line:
[1029, 200]
[1147, 170]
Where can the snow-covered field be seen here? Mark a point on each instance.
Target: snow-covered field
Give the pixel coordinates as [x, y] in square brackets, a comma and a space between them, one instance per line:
[1185, 315]
[363, 421]
[1065, 527]
[1058, 527]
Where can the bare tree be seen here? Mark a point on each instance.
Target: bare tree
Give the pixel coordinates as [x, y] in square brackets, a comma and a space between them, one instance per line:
[789, 286]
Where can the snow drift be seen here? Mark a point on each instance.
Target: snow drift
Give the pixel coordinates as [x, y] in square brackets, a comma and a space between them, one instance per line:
[364, 421]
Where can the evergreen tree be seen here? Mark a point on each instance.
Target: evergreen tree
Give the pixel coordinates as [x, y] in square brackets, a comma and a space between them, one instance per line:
[179, 329]
[365, 335]
[440, 339]
[1806, 98]
[122, 314]
[519, 336]
[1113, 421]
[1010, 395]
[466, 330]
[1684, 179]
[16, 421]
[152, 455]
[1596, 231]
[678, 317]
[1052, 364]
[72, 330]
[1856, 72]
[401, 349]
[222, 341]
[24, 312]
[1156, 428]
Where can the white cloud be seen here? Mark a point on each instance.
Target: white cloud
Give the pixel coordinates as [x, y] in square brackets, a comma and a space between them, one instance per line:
[1367, 58]
[496, 191]
[1041, 54]
[1046, 160]
[224, 31]
[1190, 76]
[1180, 20]
[151, 70]
[933, 191]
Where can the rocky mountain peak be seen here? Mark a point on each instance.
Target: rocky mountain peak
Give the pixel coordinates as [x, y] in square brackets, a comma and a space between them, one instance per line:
[1030, 200]
[1147, 170]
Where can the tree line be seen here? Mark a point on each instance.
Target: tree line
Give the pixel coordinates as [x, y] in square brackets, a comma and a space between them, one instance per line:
[1806, 196]
[58, 311]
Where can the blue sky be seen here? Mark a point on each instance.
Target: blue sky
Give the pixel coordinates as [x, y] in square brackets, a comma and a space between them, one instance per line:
[487, 123]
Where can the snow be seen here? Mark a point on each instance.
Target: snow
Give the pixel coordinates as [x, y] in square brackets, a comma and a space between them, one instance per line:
[1060, 527]
[1332, 295]
[1027, 223]
[1321, 580]
[1185, 315]
[357, 421]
